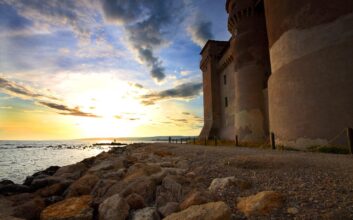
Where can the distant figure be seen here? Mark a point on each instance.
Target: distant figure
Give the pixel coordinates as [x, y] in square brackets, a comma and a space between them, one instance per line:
[170, 139]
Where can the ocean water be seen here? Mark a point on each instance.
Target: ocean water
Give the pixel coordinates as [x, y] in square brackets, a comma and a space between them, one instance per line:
[19, 159]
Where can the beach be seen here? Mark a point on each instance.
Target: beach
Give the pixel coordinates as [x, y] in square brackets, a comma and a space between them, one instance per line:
[181, 181]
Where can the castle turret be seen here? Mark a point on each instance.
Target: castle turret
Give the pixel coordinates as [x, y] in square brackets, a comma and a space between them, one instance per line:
[249, 44]
[211, 54]
[311, 86]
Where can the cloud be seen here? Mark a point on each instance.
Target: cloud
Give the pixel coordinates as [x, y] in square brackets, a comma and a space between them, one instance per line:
[200, 32]
[136, 85]
[183, 91]
[65, 110]
[146, 24]
[17, 90]
[6, 107]
[25, 92]
[78, 15]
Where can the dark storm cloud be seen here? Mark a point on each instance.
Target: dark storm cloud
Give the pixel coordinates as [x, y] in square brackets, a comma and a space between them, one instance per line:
[16, 89]
[200, 32]
[183, 91]
[67, 110]
[147, 24]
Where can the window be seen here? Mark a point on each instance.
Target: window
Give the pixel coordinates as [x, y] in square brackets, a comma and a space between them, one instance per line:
[225, 79]
[226, 101]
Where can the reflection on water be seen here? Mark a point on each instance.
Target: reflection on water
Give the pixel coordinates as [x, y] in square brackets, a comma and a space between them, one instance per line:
[19, 159]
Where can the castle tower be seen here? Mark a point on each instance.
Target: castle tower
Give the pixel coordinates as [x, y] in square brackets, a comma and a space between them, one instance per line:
[249, 44]
[211, 54]
[311, 86]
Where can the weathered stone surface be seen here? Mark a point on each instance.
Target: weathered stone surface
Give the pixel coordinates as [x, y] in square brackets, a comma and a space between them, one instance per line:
[292, 210]
[99, 191]
[55, 189]
[262, 203]
[114, 208]
[47, 172]
[107, 165]
[30, 209]
[10, 189]
[169, 191]
[76, 208]
[135, 201]
[194, 198]
[82, 186]
[169, 208]
[140, 170]
[148, 213]
[219, 185]
[143, 186]
[6, 182]
[73, 171]
[208, 211]
[43, 181]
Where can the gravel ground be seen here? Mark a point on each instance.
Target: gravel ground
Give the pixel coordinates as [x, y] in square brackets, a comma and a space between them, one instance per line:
[319, 186]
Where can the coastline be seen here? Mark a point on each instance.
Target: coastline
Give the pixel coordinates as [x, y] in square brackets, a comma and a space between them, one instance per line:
[171, 181]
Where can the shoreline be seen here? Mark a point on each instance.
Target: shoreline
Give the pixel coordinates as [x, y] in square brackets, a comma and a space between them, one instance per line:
[169, 181]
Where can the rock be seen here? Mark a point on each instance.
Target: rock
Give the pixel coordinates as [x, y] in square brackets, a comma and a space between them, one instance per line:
[100, 190]
[219, 185]
[114, 208]
[55, 189]
[193, 198]
[162, 153]
[75, 208]
[292, 210]
[30, 209]
[169, 208]
[104, 165]
[169, 191]
[143, 186]
[21, 198]
[6, 182]
[43, 181]
[53, 199]
[148, 213]
[2, 217]
[73, 172]
[140, 170]
[208, 211]
[82, 186]
[10, 189]
[44, 173]
[135, 201]
[262, 203]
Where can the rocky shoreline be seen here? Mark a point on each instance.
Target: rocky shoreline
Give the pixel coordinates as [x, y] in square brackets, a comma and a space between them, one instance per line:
[166, 181]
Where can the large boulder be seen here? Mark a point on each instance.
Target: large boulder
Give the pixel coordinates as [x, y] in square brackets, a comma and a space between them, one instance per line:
[10, 189]
[140, 170]
[30, 209]
[72, 172]
[169, 191]
[143, 186]
[53, 190]
[219, 185]
[135, 201]
[169, 208]
[44, 173]
[194, 198]
[82, 186]
[262, 203]
[76, 208]
[149, 213]
[208, 211]
[114, 208]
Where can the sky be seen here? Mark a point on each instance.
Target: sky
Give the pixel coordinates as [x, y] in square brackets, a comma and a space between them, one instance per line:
[104, 68]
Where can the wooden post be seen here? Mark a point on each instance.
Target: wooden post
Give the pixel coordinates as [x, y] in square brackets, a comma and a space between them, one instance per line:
[170, 139]
[236, 140]
[215, 140]
[273, 142]
[194, 141]
[176, 140]
[181, 141]
[205, 141]
[350, 139]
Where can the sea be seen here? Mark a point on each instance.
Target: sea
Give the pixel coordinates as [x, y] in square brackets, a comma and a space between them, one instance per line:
[19, 159]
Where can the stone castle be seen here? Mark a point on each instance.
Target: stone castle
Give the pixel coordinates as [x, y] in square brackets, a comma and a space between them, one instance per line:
[287, 69]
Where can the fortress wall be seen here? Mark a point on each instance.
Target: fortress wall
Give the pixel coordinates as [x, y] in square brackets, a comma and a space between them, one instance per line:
[227, 131]
[251, 62]
[211, 88]
[311, 86]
